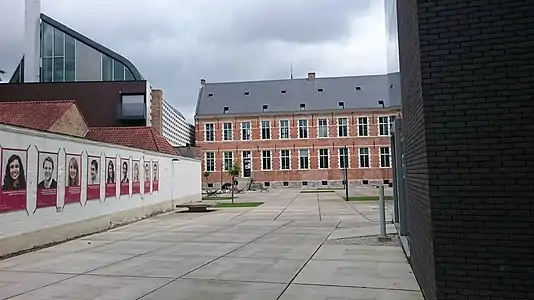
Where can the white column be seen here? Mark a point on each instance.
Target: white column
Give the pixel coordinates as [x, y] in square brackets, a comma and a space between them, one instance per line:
[32, 49]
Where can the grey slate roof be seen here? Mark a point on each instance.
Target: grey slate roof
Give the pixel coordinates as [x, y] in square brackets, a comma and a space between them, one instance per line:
[213, 97]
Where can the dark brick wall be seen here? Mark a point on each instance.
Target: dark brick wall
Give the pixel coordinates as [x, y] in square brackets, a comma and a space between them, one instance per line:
[477, 105]
[417, 189]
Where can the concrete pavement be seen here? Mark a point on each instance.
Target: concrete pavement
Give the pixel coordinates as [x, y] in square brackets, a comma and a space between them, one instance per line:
[279, 250]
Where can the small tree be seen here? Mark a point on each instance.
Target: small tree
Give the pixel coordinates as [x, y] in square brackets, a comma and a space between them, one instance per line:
[234, 171]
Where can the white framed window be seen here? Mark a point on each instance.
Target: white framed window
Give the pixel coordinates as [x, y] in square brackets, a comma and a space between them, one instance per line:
[342, 127]
[303, 128]
[209, 162]
[385, 157]
[363, 126]
[365, 161]
[245, 131]
[266, 160]
[343, 158]
[284, 129]
[322, 127]
[324, 158]
[228, 159]
[209, 132]
[285, 159]
[227, 132]
[383, 126]
[265, 130]
[304, 159]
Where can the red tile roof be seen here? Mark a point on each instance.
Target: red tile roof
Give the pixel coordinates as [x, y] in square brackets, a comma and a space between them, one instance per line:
[39, 115]
[136, 137]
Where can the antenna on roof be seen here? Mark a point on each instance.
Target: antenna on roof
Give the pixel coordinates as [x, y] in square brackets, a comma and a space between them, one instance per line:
[291, 69]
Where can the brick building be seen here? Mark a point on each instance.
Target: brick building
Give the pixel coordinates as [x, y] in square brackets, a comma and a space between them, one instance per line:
[467, 73]
[297, 132]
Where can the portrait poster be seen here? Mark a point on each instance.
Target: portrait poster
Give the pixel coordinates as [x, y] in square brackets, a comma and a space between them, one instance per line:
[136, 182]
[14, 188]
[93, 177]
[125, 176]
[47, 179]
[73, 178]
[155, 176]
[147, 177]
[111, 185]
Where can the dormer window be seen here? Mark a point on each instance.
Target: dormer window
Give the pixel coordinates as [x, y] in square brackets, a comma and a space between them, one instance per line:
[320, 90]
[358, 88]
[210, 95]
[283, 91]
[225, 109]
[341, 104]
[302, 106]
[247, 93]
[265, 107]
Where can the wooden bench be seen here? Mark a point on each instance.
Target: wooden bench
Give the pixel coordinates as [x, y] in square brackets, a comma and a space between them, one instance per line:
[196, 206]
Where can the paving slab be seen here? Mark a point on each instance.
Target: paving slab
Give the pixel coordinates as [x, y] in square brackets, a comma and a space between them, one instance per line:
[15, 283]
[76, 245]
[314, 292]
[293, 239]
[114, 235]
[155, 265]
[298, 230]
[169, 236]
[90, 287]
[358, 274]
[198, 249]
[329, 224]
[360, 231]
[71, 263]
[189, 289]
[250, 269]
[229, 237]
[198, 228]
[360, 253]
[128, 247]
[267, 250]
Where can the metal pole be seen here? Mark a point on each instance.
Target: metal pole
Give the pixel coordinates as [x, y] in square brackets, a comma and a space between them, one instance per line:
[382, 206]
[346, 159]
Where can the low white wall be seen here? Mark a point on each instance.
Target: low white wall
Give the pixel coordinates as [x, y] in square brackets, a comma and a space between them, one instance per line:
[179, 181]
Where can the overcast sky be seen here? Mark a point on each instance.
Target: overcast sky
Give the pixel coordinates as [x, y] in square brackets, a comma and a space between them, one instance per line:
[174, 43]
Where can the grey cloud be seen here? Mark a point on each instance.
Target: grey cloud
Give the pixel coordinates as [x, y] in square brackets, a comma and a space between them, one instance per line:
[175, 43]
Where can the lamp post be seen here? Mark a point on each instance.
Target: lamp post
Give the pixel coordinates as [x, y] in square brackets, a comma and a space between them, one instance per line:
[345, 166]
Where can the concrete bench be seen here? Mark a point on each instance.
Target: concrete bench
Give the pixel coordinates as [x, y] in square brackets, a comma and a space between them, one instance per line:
[196, 206]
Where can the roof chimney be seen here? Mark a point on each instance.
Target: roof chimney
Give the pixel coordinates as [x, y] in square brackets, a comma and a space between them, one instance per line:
[203, 81]
[311, 76]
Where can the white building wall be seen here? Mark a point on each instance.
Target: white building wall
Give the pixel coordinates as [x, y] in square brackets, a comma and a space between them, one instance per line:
[180, 181]
[176, 129]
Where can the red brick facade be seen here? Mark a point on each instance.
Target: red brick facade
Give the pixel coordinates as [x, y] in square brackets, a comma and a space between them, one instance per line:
[329, 174]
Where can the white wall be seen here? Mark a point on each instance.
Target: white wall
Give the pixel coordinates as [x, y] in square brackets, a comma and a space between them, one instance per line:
[180, 181]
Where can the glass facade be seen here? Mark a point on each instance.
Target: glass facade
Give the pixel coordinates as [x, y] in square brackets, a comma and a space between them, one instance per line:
[64, 58]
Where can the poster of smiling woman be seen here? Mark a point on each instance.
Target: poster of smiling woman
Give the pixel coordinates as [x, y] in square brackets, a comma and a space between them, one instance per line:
[111, 185]
[13, 189]
[73, 171]
[47, 179]
[147, 178]
[93, 177]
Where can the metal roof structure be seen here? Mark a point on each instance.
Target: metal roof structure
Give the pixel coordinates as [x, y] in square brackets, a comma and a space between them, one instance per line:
[289, 95]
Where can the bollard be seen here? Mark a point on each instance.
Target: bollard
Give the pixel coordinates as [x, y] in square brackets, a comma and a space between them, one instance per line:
[382, 208]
